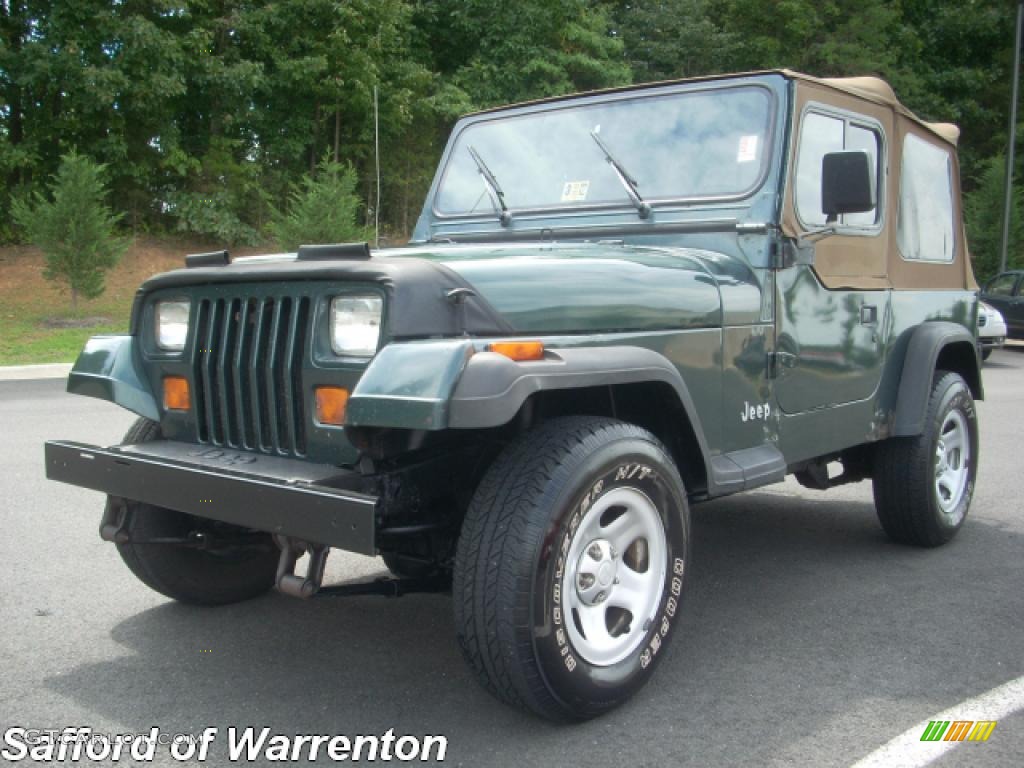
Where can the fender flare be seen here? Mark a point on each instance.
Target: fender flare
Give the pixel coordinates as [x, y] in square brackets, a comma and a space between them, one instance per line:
[455, 384]
[923, 349]
[492, 388]
[107, 369]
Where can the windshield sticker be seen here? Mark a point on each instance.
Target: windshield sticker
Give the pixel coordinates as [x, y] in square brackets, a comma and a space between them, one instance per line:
[747, 152]
[575, 191]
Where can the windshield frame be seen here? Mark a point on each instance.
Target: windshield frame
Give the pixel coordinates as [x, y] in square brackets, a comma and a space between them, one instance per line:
[625, 205]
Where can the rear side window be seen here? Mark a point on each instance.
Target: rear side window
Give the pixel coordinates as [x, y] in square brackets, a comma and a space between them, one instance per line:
[819, 135]
[1002, 286]
[925, 222]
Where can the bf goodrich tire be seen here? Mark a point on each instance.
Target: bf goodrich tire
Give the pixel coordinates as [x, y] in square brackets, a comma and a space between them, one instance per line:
[570, 567]
[189, 575]
[923, 485]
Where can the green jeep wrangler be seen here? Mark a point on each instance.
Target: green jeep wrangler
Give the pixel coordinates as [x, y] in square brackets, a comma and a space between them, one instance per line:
[614, 305]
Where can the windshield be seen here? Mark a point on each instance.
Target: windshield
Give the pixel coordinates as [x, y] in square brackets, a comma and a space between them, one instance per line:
[698, 144]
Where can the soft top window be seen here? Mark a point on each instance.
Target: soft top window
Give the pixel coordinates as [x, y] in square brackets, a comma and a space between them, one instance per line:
[711, 143]
[819, 135]
[925, 227]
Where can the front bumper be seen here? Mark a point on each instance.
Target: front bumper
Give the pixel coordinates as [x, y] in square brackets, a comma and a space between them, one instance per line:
[316, 503]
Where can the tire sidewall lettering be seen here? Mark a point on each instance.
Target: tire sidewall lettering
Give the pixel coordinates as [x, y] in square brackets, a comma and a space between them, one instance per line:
[645, 472]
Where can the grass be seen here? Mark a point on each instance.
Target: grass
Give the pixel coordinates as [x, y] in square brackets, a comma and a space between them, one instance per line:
[24, 342]
[36, 321]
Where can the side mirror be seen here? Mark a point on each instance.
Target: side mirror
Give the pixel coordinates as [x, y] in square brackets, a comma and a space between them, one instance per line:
[847, 184]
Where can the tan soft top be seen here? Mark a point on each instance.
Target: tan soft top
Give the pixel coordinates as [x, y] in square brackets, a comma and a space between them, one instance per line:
[877, 90]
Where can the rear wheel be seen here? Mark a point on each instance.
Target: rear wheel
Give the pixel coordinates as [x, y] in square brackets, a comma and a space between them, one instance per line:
[238, 563]
[923, 485]
[986, 353]
[570, 567]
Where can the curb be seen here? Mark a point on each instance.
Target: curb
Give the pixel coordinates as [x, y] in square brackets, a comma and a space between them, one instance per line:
[30, 372]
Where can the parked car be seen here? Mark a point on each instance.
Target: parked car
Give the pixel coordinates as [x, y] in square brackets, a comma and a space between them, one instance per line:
[991, 329]
[615, 305]
[1005, 292]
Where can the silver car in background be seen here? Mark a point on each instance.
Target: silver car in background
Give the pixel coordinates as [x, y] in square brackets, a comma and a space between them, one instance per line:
[991, 329]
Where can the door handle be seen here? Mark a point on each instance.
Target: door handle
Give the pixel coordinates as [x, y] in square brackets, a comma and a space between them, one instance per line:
[868, 314]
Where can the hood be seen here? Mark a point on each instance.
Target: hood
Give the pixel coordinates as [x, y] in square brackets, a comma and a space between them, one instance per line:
[586, 288]
[519, 288]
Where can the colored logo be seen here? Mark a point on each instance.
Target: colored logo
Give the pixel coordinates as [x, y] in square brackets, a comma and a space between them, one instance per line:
[958, 730]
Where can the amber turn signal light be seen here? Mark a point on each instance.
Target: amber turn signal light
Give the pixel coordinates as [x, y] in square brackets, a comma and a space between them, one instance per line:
[518, 350]
[176, 394]
[330, 405]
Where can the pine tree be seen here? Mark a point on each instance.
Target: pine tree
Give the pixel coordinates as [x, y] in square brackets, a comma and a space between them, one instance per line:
[73, 227]
[321, 209]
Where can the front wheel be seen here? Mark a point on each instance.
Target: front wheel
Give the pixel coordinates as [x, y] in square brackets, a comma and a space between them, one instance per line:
[923, 485]
[570, 567]
[242, 568]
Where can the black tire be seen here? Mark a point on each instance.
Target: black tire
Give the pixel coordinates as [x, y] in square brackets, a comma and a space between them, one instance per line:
[904, 477]
[986, 353]
[512, 553]
[198, 577]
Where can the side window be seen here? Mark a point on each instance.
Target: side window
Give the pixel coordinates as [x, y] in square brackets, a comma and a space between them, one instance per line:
[819, 135]
[1002, 286]
[859, 137]
[924, 230]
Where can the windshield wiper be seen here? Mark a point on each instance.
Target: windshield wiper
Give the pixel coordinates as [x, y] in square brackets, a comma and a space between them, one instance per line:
[494, 191]
[630, 184]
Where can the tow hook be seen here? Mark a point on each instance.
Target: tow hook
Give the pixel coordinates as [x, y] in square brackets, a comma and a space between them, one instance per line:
[289, 582]
[112, 525]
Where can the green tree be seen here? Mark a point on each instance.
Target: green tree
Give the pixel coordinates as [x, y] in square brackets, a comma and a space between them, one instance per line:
[500, 52]
[73, 227]
[667, 39]
[223, 197]
[232, 101]
[322, 208]
[983, 219]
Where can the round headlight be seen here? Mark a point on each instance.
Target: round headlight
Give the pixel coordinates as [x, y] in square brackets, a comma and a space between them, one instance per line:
[355, 325]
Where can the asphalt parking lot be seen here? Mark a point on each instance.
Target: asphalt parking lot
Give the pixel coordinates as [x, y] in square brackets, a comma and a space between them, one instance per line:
[808, 638]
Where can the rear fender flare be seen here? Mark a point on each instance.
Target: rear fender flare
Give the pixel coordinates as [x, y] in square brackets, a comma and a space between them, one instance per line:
[926, 344]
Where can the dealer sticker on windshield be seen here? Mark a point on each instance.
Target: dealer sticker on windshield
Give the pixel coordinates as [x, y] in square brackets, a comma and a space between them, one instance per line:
[747, 151]
[575, 191]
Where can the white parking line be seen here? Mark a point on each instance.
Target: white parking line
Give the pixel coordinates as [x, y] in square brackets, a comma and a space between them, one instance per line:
[908, 751]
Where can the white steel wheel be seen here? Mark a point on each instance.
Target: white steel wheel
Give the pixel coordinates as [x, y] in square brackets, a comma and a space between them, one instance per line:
[570, 567]
[615, 576]
[952, 466]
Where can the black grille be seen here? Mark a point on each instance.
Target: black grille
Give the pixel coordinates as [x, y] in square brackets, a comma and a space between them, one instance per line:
[248, 373]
